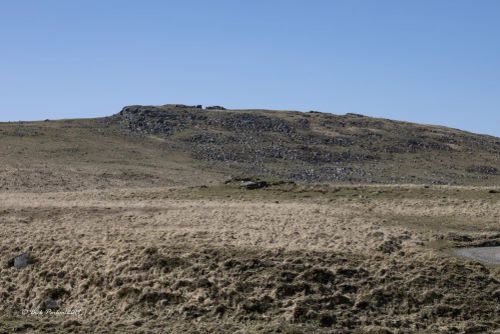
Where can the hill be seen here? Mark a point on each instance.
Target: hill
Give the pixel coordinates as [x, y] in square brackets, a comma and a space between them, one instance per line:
[321, 147]
[185, 145]
[125, 224]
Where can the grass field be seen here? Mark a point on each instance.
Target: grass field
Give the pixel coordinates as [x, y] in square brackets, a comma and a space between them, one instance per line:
[284, 259]
[137, 224]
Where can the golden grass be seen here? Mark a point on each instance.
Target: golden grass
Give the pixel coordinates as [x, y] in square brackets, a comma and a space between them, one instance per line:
[170, 259]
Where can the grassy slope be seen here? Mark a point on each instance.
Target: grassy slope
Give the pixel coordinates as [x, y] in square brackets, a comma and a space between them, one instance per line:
[87, 154]
[319, 147]
[103, 153]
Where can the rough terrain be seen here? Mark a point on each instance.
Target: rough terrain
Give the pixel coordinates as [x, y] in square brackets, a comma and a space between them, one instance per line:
[321, 147]
[112, 227]
[181, 145]
[292, 259]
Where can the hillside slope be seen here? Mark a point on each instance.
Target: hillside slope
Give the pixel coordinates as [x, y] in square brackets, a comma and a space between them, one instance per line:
[321, 147]
[68, 155]
[182, 145]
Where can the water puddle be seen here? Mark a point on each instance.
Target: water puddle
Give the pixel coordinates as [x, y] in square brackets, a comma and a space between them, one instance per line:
[482, 254]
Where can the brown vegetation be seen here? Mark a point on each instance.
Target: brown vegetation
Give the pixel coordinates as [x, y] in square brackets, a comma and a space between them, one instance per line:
[308, 259]
[139, 223]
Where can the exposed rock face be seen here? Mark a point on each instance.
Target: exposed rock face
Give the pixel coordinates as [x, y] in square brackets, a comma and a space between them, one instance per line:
[319, 146]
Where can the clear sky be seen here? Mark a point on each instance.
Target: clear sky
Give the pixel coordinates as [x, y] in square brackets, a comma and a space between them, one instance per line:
[428, 61]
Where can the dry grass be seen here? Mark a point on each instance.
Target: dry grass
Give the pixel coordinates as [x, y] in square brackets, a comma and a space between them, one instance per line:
[70, 155]
[299, 259]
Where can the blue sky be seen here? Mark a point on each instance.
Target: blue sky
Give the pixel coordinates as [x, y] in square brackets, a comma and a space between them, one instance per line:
[427, 61]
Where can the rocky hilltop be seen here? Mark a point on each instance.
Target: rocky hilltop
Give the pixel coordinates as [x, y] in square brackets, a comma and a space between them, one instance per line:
[178, 145]
[319, 147]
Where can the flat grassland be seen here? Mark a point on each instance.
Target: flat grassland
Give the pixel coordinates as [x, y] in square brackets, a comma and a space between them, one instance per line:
[220, 259]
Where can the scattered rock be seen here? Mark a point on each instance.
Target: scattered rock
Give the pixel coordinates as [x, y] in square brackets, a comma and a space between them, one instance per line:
[488, 170]
[20, 261]
[254, 184]
[215, 108]
[49, 304]
[286, 145]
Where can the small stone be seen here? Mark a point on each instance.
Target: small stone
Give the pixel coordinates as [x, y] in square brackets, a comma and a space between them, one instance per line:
[20, 261]
[49, 304]
[253, 184]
